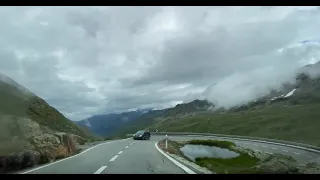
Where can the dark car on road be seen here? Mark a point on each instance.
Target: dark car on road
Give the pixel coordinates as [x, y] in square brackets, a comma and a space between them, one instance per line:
[142, 135]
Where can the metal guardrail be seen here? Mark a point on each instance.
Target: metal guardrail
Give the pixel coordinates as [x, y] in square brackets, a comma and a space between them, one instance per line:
[245, 138]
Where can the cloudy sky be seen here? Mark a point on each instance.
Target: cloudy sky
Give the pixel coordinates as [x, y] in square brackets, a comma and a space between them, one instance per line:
[93, 60]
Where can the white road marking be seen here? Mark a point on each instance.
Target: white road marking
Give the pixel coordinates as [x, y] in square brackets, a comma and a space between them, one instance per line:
[297, 153]
[264, 146]
[100, 170]
[26, 172]
[269, 153]
[256, 150]
[274, 148]
[126, 146]
[256, 144]
[245, 143]
[194, 135]
[120, 152]
[284, 150]
[114, 158]
[131, 144]
[183, 167]
[308, 155]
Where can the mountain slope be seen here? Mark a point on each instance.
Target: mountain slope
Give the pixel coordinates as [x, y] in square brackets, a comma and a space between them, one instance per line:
[109, 125]
[117, 124]
[18, 101]
[288, 113]
[292, 114]
[31, 131]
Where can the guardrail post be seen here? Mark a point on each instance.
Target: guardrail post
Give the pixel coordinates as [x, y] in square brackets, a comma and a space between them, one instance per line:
[166, 141]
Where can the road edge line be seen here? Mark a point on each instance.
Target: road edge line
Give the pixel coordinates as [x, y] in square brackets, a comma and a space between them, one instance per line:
[183, 167]
[37, 168]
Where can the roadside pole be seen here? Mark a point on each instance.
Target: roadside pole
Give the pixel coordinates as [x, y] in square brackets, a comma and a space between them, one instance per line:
[166, 141]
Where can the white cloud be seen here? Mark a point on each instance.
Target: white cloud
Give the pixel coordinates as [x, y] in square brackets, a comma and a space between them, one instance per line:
[88, 60]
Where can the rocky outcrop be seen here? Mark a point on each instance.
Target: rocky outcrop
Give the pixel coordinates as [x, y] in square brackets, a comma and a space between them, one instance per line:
[54, 146]
[309, 168]
[31, 131]
[27, 127]
[282, 164]
[24, 143]
[17, 161]
[278, 163]
[253, 153]
[78, 139]
[46, 148]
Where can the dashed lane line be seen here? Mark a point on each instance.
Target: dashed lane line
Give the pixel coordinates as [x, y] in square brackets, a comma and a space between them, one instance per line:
[285, 151]
[114, 158]
[297, 153]
[120, 152]
[274, 148]
[269, 153]
[264, 146]
[126, 146]
[100, 170]
[87, 150]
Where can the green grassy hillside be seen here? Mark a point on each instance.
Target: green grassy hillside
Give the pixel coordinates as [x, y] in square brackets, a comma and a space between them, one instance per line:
[16, 101]
[299, 123]
[293, 118]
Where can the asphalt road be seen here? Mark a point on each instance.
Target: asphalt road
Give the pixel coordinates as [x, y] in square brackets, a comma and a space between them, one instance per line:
[117, 157]
[141, 157]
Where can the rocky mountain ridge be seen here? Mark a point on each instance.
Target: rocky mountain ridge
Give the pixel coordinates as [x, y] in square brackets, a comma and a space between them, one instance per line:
[304, 90]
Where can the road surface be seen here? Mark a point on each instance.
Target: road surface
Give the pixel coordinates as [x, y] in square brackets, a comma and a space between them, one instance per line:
[116, 157]
[141, 157]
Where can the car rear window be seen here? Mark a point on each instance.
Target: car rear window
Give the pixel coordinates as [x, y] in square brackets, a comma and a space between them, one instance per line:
[140, 132]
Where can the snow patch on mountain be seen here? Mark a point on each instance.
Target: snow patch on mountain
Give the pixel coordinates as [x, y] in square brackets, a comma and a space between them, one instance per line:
[290, 93]
[283, 95]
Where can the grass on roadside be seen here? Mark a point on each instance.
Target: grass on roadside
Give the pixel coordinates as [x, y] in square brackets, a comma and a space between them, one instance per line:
[210, 142]
[239, 164]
